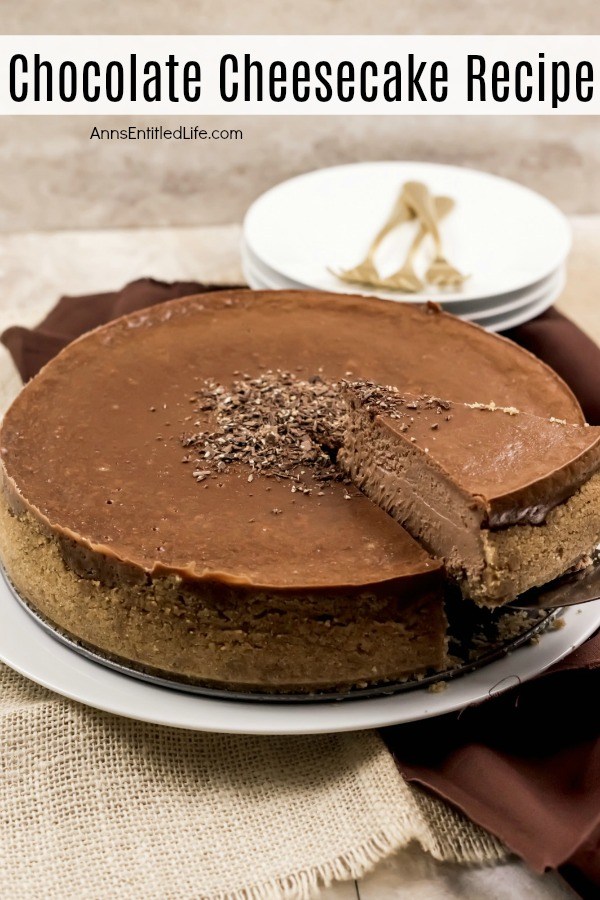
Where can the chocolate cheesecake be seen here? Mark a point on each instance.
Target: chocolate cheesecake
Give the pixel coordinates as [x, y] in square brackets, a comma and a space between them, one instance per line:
[134, 523]
[507, 499]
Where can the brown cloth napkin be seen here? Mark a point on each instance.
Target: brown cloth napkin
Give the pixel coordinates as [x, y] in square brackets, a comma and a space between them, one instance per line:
[525, 765]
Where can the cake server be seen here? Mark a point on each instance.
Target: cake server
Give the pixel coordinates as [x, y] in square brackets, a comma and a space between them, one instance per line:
[581, 586]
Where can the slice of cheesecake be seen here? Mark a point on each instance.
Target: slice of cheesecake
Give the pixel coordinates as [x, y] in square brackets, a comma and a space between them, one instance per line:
[507, 499]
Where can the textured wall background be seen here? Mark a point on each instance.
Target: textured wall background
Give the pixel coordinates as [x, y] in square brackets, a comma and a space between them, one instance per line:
[53, 176]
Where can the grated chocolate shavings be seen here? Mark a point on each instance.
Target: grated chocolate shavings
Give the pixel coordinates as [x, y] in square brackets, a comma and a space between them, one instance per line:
[277, 424]
[389, 400]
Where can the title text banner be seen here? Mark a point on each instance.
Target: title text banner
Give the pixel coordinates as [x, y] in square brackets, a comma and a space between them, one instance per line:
[192, 75]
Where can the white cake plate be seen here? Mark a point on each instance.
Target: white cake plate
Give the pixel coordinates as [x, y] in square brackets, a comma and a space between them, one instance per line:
[29, 649]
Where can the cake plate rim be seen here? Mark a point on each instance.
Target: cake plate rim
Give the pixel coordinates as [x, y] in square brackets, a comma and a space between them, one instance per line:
[28, 648]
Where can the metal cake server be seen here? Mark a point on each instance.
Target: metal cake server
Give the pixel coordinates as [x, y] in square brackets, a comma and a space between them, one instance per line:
[582, 586]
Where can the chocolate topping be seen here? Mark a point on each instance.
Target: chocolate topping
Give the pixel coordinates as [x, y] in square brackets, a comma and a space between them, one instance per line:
[92, 445]
[277, 424]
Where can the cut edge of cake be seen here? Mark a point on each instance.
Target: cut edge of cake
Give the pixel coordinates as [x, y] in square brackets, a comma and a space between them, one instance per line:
[492, 555]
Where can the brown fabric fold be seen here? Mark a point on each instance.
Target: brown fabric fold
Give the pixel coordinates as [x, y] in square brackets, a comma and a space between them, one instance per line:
[525, 765]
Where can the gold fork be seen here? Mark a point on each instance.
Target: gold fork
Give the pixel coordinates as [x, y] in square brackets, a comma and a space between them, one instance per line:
[405, 278]
[366, 271]
[440, 272]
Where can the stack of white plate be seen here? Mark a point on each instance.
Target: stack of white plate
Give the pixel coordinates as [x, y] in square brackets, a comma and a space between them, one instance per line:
[510, 241]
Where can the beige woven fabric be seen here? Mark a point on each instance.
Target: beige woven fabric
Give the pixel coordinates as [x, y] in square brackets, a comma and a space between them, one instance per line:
[96, 806]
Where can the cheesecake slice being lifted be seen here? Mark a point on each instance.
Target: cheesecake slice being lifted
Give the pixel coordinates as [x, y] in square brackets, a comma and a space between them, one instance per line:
[507, 499]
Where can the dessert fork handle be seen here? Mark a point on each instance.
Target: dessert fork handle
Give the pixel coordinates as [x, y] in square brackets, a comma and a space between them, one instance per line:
[400, 214]
[418, 198]
[443, 206]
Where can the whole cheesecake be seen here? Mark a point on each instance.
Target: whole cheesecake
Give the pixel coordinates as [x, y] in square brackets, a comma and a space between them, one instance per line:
[123, 526]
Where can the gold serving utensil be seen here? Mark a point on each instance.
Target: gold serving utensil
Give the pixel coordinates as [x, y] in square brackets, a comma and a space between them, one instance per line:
[405, 278]
[440, 272]
[581, 586]
[366, 271]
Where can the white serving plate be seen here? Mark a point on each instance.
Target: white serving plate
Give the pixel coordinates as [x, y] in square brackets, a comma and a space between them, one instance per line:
[261, 277]
[509, 315]
[525, 313]
[551, 287]
[26, 647]
[504, 235]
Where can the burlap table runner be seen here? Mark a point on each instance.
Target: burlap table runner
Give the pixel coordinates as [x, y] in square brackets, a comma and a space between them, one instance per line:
[93, 805]
[96, 806]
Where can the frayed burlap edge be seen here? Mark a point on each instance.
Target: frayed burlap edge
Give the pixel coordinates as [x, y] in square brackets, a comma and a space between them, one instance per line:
[471, 846]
